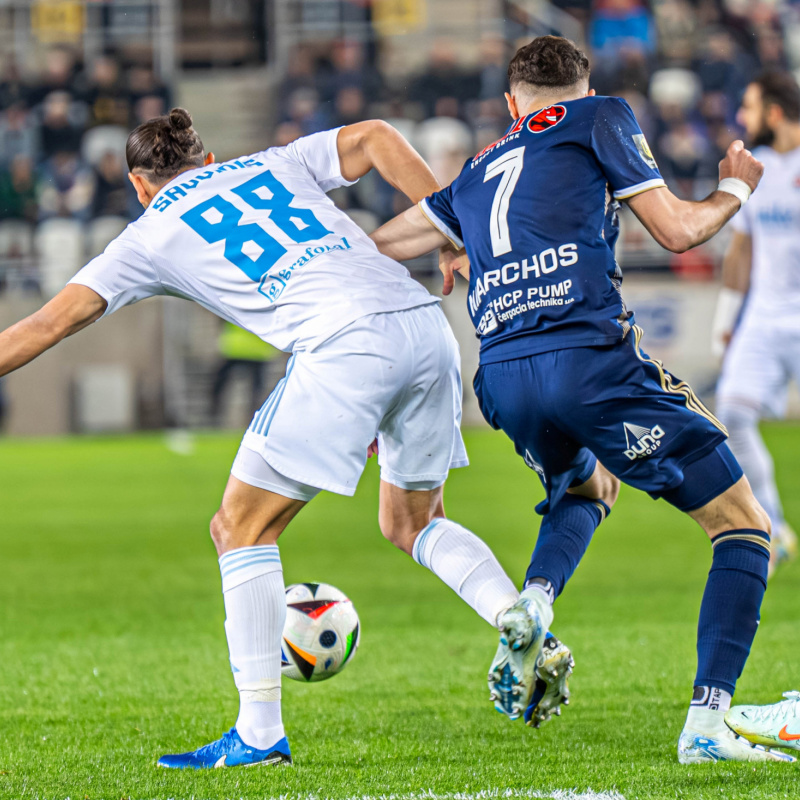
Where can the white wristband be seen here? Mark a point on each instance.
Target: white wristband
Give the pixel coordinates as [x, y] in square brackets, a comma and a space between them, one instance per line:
[736, 187]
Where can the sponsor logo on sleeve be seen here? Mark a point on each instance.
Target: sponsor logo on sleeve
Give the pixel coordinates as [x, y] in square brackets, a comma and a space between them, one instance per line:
[644, 150]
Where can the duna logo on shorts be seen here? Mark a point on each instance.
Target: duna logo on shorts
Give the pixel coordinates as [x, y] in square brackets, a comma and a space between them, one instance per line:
[641, 442]
[535, 465]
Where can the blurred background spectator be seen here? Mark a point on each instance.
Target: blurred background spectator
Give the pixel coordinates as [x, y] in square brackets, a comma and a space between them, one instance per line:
[259, 73]
[681, 64]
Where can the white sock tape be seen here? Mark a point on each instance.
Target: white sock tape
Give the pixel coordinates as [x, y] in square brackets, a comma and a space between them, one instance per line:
[268, 691]
[736, 187]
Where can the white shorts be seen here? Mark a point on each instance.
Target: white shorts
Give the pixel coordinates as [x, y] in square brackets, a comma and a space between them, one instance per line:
[758, 366]
[395, 376]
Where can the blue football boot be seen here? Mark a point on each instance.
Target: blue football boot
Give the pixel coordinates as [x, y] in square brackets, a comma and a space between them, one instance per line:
[229, 751]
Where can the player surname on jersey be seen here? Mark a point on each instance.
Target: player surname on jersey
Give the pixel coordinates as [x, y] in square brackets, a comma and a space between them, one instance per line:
[546, 262]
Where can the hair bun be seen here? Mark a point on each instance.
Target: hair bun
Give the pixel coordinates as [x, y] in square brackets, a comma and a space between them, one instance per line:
[180, 119]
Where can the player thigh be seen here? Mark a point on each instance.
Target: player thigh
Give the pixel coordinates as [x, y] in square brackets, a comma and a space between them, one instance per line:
[755, 372]
[646, 425]
[419, 437]
[257, 505]
[516, 397]
[317, 424]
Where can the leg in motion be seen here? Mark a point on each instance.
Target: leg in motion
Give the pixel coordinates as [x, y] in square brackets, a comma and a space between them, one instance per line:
[245, 531]
[729, 614]
[564, 535]
[413, 520]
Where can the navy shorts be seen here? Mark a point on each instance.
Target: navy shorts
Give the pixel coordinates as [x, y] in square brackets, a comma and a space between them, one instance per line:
[566, 409]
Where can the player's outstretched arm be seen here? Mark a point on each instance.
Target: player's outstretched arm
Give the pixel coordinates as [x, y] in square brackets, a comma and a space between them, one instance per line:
[736, 268]
[375, 144]
[408, 235]
[738, 262]
[678, 225]
[72, 309]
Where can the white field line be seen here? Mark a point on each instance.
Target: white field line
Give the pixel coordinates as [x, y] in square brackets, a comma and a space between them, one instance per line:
[488, 794]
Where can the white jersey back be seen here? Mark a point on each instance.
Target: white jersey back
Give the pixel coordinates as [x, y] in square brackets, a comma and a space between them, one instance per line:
[257, 241]
[772, 218]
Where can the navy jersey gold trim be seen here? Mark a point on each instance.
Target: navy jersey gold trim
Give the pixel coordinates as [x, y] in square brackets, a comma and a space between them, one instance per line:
[749, 535]
[674, 386]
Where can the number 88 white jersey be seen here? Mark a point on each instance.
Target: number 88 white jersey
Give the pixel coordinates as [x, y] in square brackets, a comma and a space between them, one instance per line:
[257, 241]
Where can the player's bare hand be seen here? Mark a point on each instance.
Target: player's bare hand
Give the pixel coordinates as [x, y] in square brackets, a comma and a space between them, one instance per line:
[372, 450]
[450, 262]
[740, 163]
[719, 344]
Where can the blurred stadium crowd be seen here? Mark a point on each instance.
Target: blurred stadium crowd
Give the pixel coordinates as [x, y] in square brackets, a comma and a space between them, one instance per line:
[63, 180]
[681, 65]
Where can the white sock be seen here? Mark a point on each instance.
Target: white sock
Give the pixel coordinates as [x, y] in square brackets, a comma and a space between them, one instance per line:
[537, 595]
[708, 708]
[464, 562]
[748, 446]
[543, 587]
[701, 719]
[255, 612]
[712, 698]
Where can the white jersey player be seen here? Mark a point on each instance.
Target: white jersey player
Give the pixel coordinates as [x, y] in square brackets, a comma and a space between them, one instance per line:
[761, 287]
[256, 241]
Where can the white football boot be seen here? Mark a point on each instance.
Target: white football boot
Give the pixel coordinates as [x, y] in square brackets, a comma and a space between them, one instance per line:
[776, 725]
[512, 676]
[553, 669]
[783, 547]
[706, 737]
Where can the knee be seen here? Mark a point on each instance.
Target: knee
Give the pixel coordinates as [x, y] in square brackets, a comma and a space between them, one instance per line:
[760, 520]
[401, 535]
[219, 532]
[733, 510]
[749, 513]
[605, 486]
[610, 490]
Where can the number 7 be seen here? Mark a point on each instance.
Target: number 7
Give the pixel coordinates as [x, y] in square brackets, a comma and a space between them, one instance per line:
[509, 166]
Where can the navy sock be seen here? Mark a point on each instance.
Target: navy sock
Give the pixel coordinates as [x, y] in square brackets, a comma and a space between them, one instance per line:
[563, 538]
[731, 605]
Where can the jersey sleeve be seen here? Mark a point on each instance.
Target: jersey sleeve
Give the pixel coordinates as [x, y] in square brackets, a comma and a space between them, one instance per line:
[319, 154]
[438, 210]
[121, 275]
[623, 152]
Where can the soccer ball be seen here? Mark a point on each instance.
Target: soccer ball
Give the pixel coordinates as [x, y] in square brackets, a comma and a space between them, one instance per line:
[321, 632]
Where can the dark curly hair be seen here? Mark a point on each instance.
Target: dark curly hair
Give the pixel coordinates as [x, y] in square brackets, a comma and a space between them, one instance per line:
[548, 62]
[780, 88]
[162, 147]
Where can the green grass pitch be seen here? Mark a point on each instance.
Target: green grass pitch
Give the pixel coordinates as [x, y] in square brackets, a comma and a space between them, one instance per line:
[112, 648]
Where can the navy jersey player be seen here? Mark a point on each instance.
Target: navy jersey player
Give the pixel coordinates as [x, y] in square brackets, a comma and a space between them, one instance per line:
[562, 371]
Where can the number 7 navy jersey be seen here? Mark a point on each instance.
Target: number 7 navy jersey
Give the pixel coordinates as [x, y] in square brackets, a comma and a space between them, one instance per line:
[536, 212]
[256, 241]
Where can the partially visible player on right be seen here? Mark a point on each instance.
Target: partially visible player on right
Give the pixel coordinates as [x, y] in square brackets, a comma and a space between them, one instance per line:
[761, 272]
